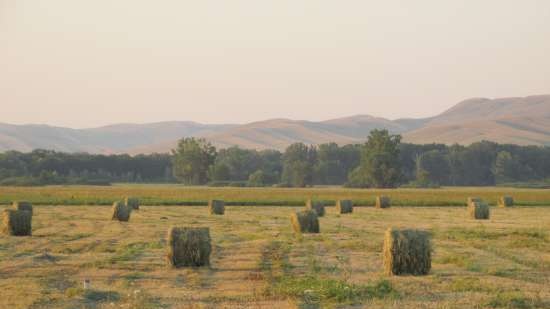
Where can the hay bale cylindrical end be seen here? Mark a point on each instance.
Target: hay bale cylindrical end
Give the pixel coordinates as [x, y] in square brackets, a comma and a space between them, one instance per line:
[188, 247]
[383, 202]
[471, 200]
[132, 202]
[407, 251]
[16, 222]
[317, 206]
[505, 201]
[305, 221]
[479, 210]
[121, 211]
[22, 205]
[216, 207]
[344, 206]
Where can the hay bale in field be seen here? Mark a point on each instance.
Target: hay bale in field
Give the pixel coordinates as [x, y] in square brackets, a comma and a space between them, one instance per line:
[188, 247]
[478, 210]
[305, 221]
[121, 211]
[383, 202]
[344, 206]
[316, 206]
[505, 201]
[132, 202]
[407, 252]
[22, 205]
[472, 200]
[17, 222]
[216, 207]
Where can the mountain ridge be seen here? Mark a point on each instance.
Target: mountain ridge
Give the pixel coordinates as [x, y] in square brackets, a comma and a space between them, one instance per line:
[517, 120]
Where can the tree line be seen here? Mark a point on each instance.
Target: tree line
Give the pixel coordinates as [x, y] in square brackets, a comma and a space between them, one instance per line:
[41, 167]
[383, 161]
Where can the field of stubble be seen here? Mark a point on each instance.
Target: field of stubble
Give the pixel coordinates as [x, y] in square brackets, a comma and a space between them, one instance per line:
[257, 262]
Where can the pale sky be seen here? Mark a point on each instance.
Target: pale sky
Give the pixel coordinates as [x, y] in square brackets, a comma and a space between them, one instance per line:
[87, 63]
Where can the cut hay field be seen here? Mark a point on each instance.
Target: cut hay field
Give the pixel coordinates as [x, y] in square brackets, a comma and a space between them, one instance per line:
[257, 262]
[179, 195]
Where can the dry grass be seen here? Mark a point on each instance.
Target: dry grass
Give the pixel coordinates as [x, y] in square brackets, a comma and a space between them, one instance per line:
[180, 195]
[257, 262]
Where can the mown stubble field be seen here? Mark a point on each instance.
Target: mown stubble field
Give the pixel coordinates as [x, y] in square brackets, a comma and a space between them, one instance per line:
[257, 262]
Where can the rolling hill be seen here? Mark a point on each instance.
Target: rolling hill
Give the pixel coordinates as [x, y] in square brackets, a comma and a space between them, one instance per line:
[523, 121]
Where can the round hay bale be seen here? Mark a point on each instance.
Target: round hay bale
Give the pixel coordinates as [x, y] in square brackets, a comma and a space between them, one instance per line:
[17, 222]
[505, 201]
[383, 202]
[188, 247]
[121, 212]
[407, 251]
[479, 210]
[216, 207]
[305, 221]
[22, 205]
[344, 206]
[316, 206]
[472, 200]
[132, 202]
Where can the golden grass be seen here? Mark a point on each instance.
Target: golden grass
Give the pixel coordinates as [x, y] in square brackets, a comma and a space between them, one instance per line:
[177, 195]
[504, 260]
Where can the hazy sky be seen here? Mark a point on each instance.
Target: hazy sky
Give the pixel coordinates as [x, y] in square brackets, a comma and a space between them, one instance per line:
[86, 63]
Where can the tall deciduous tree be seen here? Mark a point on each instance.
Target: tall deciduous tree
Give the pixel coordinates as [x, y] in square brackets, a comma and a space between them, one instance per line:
[380, 166]
[192, 159]
[507, 167]
[298, 162]
[434, 166]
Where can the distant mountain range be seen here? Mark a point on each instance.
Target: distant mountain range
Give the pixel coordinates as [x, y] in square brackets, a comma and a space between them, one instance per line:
[523, 121]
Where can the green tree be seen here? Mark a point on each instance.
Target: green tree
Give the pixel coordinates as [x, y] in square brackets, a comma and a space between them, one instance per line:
[240, 163]
[257, 179]
[329, 169]
[298, 162]
[219, 172]
[507, 168]
[433, 166]
[380, 166]
[192, 159]
[271, 165]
